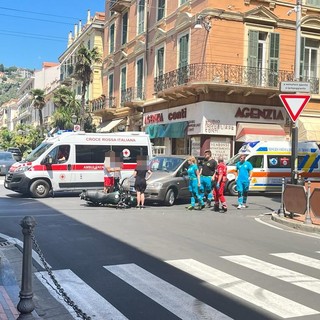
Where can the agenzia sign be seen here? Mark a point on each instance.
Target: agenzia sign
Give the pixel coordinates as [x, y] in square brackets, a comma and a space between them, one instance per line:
[294, 104]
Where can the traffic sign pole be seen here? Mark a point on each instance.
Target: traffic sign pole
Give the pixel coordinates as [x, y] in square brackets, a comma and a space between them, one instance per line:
[294, 104]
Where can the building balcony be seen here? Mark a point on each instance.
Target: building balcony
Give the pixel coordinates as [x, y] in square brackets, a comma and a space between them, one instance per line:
[225, 77]
[133, 96]
[103, 103]
[66, 75]
[119, 5]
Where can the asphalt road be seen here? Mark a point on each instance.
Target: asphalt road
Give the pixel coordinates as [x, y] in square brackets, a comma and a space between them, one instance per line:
[170, 263]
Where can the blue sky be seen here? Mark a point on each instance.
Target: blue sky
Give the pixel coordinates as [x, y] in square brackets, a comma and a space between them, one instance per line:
[36, 31]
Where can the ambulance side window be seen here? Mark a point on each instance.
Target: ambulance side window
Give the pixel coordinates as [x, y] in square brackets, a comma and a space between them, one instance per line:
[256, 161]
[279, 161]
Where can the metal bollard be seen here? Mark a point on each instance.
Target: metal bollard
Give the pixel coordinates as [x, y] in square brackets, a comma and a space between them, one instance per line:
[26, 304]
[281, 210]
[308, 217]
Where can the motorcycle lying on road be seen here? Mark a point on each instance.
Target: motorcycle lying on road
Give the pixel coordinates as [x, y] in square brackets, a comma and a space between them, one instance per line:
[119, 197]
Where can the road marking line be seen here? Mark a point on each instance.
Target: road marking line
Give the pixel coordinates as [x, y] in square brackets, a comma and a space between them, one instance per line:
[299, 258]
[168, 296]
[90, 302]
[284, 274]
[262, 298]
[267, 224]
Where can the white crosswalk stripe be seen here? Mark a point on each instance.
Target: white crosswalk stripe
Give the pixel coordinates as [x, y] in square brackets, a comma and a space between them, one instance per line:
[182, 304]
[296, 278]
[88, 300]
[175, 300]
[299, 258]
[265, 299]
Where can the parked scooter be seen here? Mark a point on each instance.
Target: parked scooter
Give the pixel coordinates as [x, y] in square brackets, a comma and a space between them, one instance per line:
[119, 197]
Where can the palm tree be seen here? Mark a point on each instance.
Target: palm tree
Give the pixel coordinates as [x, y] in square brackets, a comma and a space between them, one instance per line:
[85, 61]
[38, 102]
[67, 105]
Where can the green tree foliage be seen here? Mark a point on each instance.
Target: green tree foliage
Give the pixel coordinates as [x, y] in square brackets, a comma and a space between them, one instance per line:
[24, 137]
[85, 60]
[38, 103]
[67, 105]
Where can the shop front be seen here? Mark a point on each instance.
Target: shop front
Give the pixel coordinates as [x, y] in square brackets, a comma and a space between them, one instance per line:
[220, 127]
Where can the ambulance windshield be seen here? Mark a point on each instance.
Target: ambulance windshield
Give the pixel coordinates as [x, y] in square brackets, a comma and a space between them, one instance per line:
[233, 161]
[38, 151]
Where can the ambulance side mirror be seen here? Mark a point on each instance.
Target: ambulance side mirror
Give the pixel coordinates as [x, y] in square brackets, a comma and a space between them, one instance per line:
[47, 160]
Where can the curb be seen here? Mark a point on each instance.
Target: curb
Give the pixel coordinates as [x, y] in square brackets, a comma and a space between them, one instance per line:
[298, 225]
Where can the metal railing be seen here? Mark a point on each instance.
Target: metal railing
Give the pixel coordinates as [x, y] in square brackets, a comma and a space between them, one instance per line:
[102, 103]
[132, 94]
[228, 73]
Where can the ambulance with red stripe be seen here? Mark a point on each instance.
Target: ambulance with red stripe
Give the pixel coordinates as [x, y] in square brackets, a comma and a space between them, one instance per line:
[81, 167]
[271, 161]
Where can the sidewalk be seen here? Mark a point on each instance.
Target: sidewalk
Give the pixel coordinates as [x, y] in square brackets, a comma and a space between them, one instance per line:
[46, 307]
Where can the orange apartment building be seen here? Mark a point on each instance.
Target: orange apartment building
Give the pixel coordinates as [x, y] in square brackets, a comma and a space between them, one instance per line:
[205, 74]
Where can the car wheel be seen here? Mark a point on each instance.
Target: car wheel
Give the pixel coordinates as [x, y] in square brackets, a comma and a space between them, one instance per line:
[232, 188]
[170, 198]
[39, 189]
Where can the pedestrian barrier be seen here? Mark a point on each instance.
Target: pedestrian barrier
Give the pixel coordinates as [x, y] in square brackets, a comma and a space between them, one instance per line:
[26, 304]
[302, 200]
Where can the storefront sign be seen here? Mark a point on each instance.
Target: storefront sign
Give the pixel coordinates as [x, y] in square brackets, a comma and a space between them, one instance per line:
[215, 127]
[255, 113]
[195, 146]
[165, 116]
[220, 147]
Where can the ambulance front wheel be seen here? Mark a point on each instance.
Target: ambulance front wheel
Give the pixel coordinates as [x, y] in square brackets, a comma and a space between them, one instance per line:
[39, 189]
[232, 188]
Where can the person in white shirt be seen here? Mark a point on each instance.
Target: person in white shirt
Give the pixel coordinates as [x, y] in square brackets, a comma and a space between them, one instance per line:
[111, 173]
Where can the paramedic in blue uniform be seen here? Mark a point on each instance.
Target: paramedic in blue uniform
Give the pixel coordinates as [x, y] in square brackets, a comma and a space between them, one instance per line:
[207, 172]
[244, 173]
[194, 184]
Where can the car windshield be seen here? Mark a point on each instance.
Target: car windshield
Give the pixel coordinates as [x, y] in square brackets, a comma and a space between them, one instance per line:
[167, 164]
[6, 157]
[38, 151]
[233, 161]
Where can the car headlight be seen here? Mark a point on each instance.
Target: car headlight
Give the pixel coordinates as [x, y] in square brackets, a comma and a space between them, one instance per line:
[22, 169]
[154, 185]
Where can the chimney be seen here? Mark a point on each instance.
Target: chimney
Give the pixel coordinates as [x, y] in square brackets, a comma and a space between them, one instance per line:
[80, 27]
[75, 31]
[70, 38]
[88, 17]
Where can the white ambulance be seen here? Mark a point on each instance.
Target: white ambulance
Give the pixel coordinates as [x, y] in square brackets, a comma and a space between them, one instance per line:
[271, 161]
[73, 161]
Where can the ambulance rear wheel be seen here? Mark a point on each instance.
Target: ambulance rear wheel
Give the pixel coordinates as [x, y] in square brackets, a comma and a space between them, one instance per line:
[232, 188]
[39, 189]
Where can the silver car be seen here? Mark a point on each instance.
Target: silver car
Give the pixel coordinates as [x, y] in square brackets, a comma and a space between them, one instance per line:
[6, 161]
[169, 180]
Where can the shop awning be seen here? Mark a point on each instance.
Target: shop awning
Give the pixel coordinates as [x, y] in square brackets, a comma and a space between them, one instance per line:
[108, 126]
[170, 130]
[259, 131]
[309, 129]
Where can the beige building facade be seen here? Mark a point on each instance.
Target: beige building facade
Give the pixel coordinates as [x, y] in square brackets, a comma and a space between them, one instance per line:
[207, 74]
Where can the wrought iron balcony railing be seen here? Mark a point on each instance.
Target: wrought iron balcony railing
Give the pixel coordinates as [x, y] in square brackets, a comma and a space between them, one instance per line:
[132, 94]
[227, 73]
[102, 103]
[119, 5]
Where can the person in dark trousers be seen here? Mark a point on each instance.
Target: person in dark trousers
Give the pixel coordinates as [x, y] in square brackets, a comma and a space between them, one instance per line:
[194, 184]
[244, 171]
[218, 189]
[141, 174]
[207, 171]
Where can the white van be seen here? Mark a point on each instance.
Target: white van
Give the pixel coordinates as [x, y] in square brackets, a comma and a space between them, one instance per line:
[81, 167]
[271, 161]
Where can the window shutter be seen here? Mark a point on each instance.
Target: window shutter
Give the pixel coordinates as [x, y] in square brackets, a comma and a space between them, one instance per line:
[274, 59]
[253, 48]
